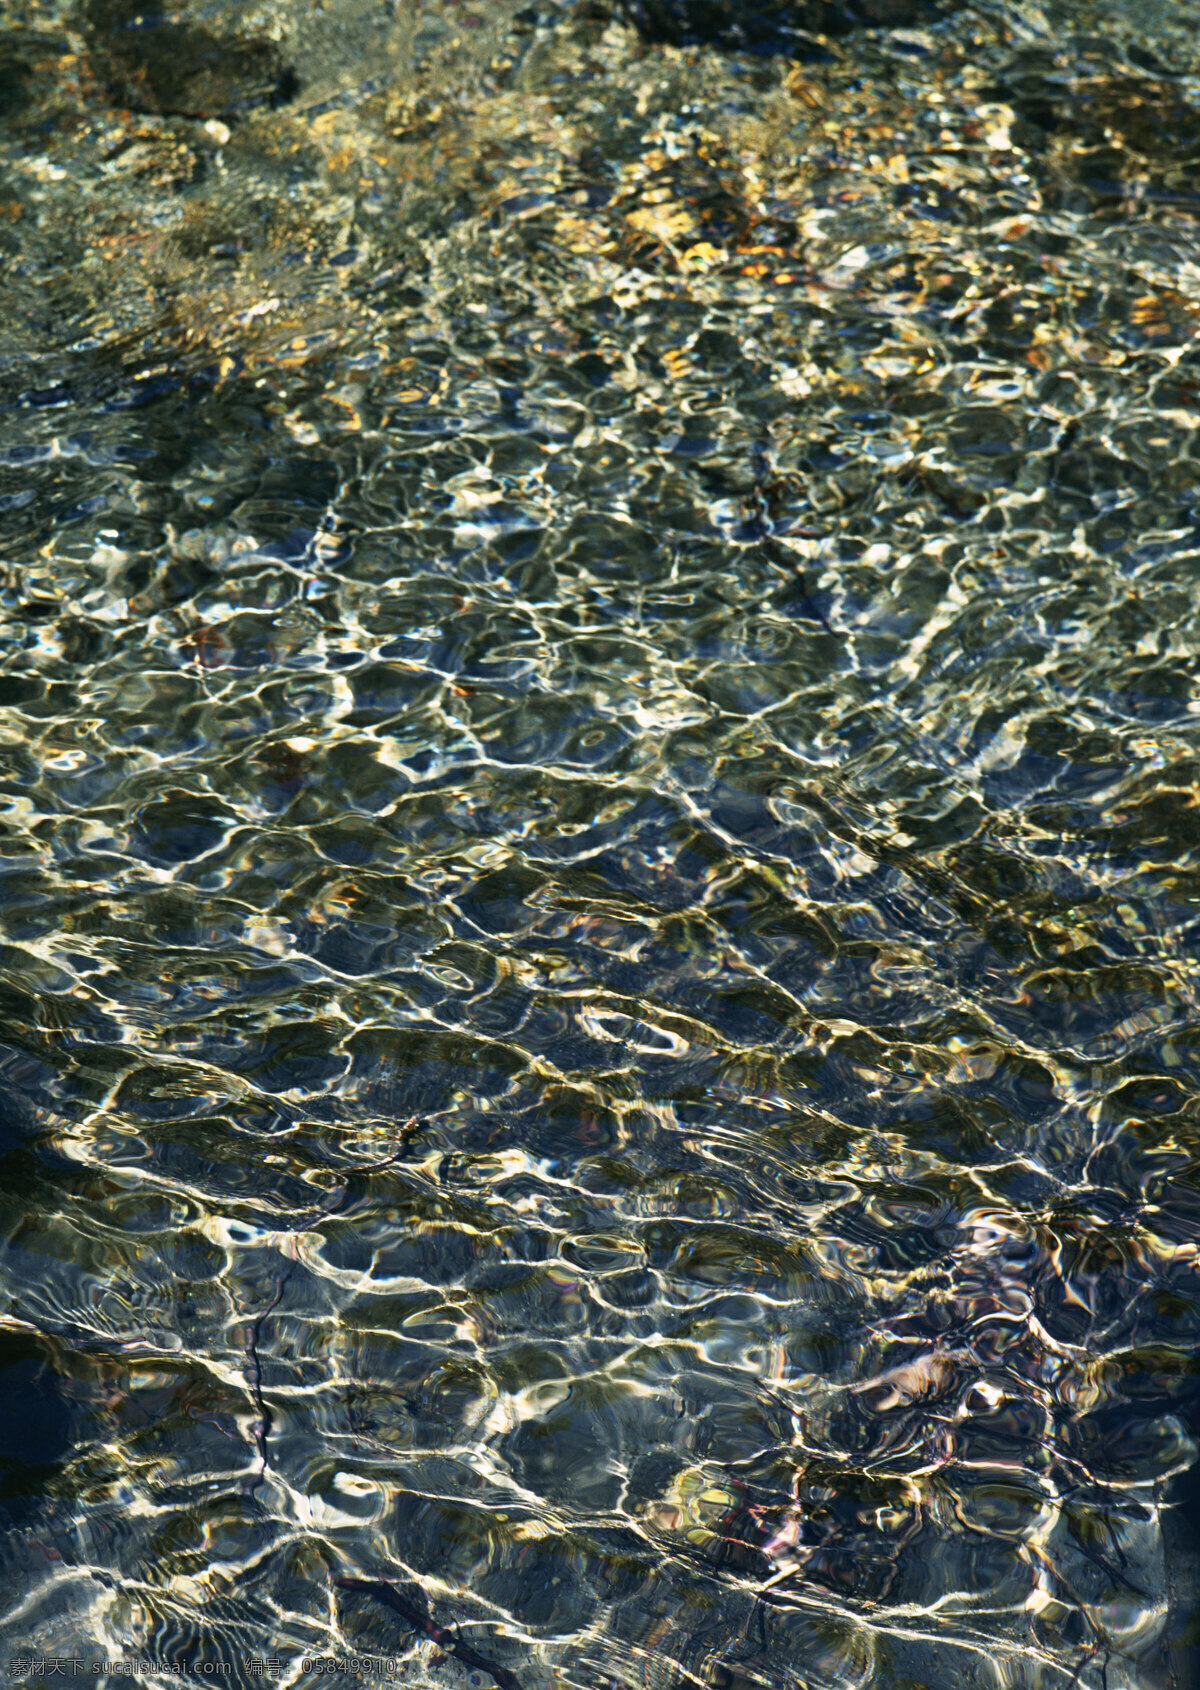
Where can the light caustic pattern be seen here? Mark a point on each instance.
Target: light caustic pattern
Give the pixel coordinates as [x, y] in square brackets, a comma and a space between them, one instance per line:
[598, 750]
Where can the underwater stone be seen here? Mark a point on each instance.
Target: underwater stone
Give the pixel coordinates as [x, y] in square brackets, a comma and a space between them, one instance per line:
[15, 76]
[151, 63]
[774, 26]
[37, 1426]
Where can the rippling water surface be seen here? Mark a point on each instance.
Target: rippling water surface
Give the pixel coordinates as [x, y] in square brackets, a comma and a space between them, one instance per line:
[600, 749]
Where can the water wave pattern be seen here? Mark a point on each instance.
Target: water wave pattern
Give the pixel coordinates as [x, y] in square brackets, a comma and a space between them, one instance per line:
[599, 942]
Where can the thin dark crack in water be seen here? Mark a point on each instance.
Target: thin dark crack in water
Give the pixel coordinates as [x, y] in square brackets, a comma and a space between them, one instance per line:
[262, 1426]
[447, 1641]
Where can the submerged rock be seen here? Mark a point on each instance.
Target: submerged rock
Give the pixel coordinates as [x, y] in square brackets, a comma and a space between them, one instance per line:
[1112, 118]
[26, 64]
[37, 1423]
[152, 63]
[14, 81]
[775, 26]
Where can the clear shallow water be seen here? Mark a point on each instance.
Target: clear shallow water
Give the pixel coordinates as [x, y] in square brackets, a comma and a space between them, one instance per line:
[599, 903]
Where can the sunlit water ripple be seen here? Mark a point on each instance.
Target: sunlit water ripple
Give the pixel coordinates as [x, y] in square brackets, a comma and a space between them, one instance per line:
[599, 948]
